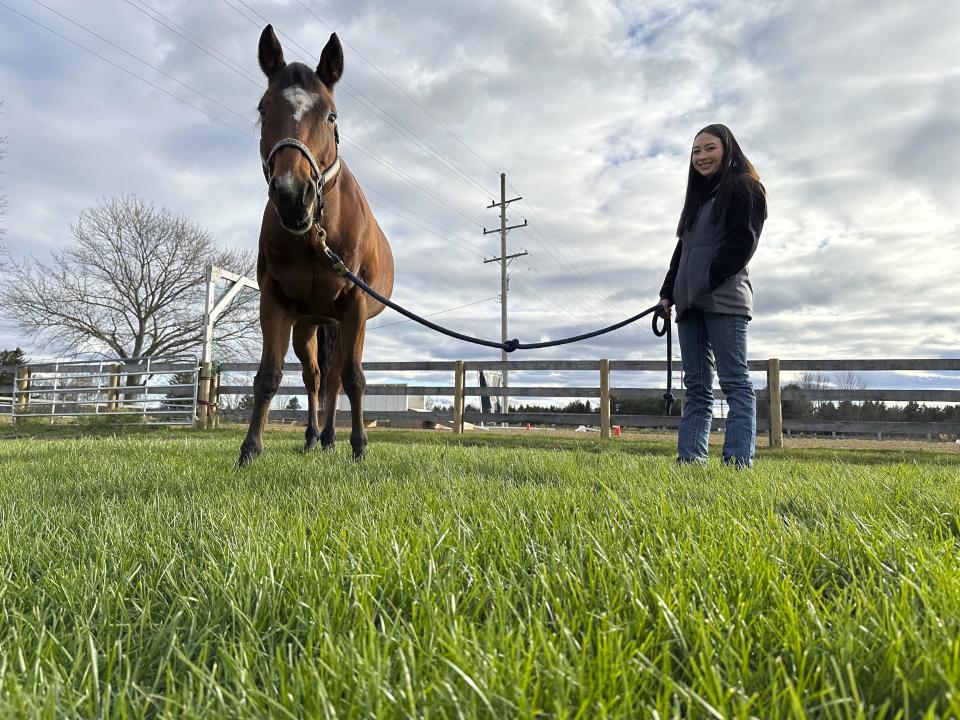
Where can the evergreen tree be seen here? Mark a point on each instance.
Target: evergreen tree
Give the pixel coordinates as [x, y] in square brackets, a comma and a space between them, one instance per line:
[10, 357]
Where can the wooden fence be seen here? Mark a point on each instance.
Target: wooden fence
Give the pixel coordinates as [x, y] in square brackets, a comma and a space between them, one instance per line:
[771, 396]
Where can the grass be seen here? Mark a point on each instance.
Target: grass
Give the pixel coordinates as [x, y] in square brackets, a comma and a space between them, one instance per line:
[143, 575]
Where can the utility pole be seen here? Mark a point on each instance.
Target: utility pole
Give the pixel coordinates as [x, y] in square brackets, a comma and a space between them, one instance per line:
[504, 260]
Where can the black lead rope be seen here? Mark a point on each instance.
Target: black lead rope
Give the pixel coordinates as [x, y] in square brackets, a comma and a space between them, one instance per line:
[510, 345]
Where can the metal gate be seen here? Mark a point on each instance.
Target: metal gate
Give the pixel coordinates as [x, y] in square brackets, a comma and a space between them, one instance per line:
[144, 391]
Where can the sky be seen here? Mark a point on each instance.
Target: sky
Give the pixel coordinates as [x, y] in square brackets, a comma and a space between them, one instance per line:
[849, 110]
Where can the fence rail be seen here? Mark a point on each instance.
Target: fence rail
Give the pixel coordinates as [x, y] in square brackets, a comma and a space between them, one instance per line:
[770, 398]
[773, 422]
[122, 390]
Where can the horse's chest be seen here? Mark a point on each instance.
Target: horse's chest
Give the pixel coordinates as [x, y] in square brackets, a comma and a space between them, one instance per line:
[313, 288]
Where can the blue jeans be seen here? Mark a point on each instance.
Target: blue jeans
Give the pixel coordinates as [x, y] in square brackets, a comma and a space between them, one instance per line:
[715, 342]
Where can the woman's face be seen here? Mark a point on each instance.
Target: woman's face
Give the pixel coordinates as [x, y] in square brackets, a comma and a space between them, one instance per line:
[707, 154]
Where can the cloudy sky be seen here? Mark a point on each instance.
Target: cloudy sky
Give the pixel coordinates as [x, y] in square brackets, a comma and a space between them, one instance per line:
[850, 110]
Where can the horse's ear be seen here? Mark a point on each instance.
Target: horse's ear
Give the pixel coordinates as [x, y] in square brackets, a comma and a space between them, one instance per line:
[330, 68]
[270, 53]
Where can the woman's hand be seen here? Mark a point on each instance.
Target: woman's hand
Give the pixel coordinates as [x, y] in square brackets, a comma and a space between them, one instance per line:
[667, 307]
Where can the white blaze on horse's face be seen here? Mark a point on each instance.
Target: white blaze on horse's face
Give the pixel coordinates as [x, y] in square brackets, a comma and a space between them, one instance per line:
[300, 100]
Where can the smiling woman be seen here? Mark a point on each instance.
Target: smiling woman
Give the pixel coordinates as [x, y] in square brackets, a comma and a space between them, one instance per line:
[708, 281]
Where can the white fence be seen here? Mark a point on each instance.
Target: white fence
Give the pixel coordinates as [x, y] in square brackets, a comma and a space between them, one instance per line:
[151, 391]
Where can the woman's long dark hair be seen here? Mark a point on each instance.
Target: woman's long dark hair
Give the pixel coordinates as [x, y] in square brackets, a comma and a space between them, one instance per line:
[736, 175]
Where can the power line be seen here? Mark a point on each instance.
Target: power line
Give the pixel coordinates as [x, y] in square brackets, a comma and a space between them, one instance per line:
[546, 285]
[357, 94]
[399, 127]
[553, 284]
[398, 172]
[234, 67]
[559, 254]
[128, 72]
[441, 312]
[452, 134]
[402, 211]
[374, 157]
[432, 232]
[558, 257]
[550, 227]
[197, 43]
[402, 91]
[141, 60]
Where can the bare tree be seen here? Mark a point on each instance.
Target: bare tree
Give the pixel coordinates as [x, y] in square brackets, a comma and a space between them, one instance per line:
[131, 285]
[850, 380]
[812, 381]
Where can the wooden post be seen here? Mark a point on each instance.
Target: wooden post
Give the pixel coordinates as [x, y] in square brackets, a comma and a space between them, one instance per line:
[203, 396]
[605, 399]
[459, 376]
[206, 354]
[776, 408]
[22, 380]
[215, 399]
[114, 385]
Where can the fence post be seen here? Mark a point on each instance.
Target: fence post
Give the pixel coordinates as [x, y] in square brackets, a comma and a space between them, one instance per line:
[22, 379]
[114, 385]
[215, 399]
[605, 399]
[458, 381]
[203, 395]
[776, 408]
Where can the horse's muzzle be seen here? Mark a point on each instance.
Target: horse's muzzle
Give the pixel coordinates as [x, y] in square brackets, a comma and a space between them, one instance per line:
[295, 204]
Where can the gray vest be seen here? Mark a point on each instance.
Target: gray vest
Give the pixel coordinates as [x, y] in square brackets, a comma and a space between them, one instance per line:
[691, 289]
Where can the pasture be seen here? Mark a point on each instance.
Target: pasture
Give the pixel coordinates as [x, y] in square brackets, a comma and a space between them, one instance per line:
[481, 576]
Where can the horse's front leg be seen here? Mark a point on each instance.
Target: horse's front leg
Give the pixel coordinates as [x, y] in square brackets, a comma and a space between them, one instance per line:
[352, 332]
[275, 323]
[305, 346]
[330, 358]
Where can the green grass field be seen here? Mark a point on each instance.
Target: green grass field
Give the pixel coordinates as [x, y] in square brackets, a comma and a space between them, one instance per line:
[143, 575]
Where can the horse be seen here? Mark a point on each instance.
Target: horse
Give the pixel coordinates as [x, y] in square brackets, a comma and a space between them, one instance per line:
[312, 198]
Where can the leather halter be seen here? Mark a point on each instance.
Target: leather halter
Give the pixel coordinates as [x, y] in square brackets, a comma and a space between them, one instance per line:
[321, 178]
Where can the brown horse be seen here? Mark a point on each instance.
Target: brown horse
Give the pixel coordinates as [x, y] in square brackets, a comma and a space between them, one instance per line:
[312, 196]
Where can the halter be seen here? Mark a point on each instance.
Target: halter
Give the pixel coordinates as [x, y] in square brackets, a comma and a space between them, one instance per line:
[322, 178]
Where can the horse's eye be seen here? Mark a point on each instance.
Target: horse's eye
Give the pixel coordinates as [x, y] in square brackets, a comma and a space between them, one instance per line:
[260, 109]
[332, 118]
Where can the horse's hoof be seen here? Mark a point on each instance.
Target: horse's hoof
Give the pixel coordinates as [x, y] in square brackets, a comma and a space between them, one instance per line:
[247, 456]
[359, 451]
[328, 440]
[311, 442]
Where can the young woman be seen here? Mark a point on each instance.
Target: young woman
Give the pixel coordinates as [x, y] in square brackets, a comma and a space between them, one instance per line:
[709, 284]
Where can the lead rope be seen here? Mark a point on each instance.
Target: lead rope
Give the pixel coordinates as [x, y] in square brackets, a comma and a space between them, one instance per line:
[510, 345]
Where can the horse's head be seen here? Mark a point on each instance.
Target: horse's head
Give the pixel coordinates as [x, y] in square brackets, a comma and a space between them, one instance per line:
[298, 132]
